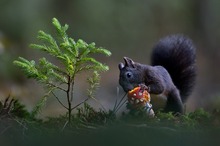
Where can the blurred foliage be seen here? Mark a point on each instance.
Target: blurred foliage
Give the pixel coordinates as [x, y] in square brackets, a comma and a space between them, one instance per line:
[12, 108]
[128, 28]
[91, 126]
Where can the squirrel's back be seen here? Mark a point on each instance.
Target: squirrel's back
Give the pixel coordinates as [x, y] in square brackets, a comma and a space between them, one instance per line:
[177, 54]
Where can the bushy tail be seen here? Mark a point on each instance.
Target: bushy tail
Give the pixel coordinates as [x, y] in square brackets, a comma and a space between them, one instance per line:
[177, 54]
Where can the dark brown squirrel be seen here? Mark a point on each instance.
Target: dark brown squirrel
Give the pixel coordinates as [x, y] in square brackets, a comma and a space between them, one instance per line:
[172, 73]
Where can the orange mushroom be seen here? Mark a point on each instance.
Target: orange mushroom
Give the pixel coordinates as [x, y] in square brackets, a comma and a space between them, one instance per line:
[138, 97]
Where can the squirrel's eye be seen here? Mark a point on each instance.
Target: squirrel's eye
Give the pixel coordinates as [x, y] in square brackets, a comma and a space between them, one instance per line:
[128, 74]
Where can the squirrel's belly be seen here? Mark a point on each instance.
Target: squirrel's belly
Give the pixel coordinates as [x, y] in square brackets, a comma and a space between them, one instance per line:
[158, 101]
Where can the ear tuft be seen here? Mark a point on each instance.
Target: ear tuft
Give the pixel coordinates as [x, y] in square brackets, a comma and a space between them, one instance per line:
[121, 66]
[129, 62]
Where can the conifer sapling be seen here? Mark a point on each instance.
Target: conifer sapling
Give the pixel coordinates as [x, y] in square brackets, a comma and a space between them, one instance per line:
[73, 57]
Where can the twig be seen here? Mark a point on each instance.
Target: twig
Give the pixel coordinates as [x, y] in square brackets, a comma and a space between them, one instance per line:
[59, 100]
[80, 103]
[55, 86]
[85, 101]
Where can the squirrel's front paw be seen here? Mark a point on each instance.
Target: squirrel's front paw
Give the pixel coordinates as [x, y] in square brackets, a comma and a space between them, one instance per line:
[144, 87]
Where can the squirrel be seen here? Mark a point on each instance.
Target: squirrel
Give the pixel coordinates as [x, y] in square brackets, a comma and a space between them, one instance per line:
[171, 75]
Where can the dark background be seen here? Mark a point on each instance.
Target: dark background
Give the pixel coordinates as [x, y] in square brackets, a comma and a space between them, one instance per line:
[126, 28]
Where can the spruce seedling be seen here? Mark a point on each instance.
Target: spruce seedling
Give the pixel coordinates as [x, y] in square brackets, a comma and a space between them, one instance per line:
[73, 56]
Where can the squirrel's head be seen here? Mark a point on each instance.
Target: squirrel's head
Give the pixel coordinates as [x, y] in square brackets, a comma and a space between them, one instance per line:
[130, 74]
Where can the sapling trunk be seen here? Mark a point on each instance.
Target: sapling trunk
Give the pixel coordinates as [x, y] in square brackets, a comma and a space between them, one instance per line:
[69, 95]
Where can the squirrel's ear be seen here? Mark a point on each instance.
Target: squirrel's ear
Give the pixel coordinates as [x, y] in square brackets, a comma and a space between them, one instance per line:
[129, 62]
[121, 66]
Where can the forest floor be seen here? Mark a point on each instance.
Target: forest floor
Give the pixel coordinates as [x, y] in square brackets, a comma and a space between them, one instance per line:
[91, 127]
